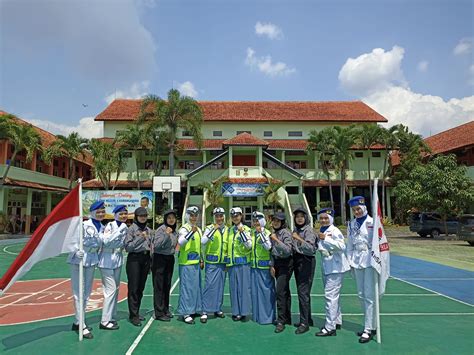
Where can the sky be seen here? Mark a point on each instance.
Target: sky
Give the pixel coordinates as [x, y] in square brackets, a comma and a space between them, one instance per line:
[63, 61]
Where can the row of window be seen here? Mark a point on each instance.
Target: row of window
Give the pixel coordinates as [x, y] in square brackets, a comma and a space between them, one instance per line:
[265, 133]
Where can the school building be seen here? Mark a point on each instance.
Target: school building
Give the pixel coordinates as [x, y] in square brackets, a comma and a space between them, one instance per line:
[249, 143]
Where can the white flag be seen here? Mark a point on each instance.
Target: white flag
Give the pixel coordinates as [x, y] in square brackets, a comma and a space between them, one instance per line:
[380, 260]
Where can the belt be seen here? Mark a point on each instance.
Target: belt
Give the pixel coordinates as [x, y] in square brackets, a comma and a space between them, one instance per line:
[111, 250]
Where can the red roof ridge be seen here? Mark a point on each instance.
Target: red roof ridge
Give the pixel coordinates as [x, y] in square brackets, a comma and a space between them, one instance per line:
[453, 138]
[245, 139]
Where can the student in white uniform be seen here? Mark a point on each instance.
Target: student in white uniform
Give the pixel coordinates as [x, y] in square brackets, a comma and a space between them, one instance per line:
[359, 247]
[93, 228]
[110, 265]
[334, 263]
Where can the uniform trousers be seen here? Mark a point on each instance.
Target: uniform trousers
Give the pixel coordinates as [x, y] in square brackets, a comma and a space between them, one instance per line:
[110, 284]
[366, 292]
[162, 268]
[304, 267]
[138, 266]
[88, 281]
[283, 272]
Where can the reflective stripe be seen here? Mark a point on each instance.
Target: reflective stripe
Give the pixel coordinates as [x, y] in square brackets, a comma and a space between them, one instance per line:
[212, 258]
[240, 260]
[193, 256]
[263, 263]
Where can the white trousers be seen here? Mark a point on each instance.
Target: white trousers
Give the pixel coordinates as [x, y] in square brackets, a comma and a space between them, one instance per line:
[88, 281]
[332, 292]
[366, 292]
[110, 285]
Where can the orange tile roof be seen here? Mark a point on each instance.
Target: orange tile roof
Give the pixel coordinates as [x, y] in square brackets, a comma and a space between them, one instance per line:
[247, 180]
[349, 183]
[33, 185]
[245, 139]
[48, 138]
[335, 111]
[454, 138]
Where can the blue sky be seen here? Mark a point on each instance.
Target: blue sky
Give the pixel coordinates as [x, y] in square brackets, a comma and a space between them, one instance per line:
[412, 61]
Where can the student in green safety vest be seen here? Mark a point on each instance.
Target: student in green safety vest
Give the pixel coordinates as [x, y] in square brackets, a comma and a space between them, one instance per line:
[189, 266]
[239, 244]
[213, 243]
[262, 282]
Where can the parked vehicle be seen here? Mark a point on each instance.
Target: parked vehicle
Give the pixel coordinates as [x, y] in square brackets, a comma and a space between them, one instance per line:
[431, 224]
[466, 228]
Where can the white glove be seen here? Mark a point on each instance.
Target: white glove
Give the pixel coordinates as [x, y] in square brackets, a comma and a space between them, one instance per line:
[80, 254]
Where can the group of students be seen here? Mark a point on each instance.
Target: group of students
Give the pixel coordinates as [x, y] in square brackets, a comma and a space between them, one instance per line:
[260, 261]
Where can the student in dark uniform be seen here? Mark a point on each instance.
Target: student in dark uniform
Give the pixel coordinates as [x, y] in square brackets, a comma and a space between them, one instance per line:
[282, 269]
[305, 244]
[162, 267]
[138, 244]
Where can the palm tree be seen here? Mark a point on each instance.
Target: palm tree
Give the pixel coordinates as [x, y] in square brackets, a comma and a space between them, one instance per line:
[157, 141]
[72, 147]
[368, 135]
[22, 136]
[107, 160]
[133, 138]
[322, 142]
[390, 142]
[342, 154]
[214, 191]
[178, 112]
[270, 192]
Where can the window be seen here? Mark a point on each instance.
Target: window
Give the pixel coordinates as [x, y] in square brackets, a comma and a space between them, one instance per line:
[39, 168]
[295, 134]
[295, 152]
[127, 154]
[269, 165]
[148, 164]
[267, 133]
[292, 190]
[217, 133]
[189, 164]
[359, 154]
[217, 165]
[239, 132]
[325, 163]
[215, 153]
[376, 154]
[187, 134]
[297, 164]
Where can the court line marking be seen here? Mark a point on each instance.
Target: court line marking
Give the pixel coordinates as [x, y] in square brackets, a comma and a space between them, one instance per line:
[147, 326]
[427, 289]
[9, 252]
[347, 295]
[33, 294]
[440, 278]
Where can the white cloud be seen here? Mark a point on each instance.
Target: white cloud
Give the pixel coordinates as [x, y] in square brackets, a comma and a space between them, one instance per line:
[87, 127]
[136, 91]
[374, 71]
[187, 88]
[423, 114]
[423, 66]
[266, 66]
[463, 47]
[268, 29]
[102, 41]
[471, 74]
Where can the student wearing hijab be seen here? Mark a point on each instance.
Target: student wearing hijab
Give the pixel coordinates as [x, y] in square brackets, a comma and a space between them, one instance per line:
[138, 244]
[110, 265]
[359, 247]
[93, 228]
[189, 266]
[213, 243]
[239, 244]
[304, 263]
[282, 268]
[162, 267]
[334, 264]
[262, 282]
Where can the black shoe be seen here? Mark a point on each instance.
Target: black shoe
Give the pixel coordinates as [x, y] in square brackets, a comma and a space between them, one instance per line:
[338, 326]
[169, 315]
[326, 333]
[373, 332]
[87, 336]
[366, 337]
[135, 321]
[219, 314]
[236, 318]
[301, 329]
[163, 318]
[279, 328]
[109, 326]
[244, 319]
[75, 327]
[142, 318]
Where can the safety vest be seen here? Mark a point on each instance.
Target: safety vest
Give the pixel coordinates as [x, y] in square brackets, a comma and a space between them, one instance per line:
[260, 256]
[215, 251]
[237, 253]
[190, 253]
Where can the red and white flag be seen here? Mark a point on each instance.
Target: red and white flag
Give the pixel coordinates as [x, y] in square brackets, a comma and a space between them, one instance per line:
[57, 234]
[380, 260]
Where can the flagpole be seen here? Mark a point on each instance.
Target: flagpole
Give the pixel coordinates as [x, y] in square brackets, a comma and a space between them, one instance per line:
[376, 275]
[81, 266]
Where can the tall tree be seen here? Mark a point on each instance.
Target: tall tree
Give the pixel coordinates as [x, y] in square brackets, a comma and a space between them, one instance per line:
[107, 160]
[133, 138]
[342, 154]
[270, 192]
[390, 142]
[158, 144]
[72, 147]
[366, 137]
[323, 143]
[214, 191]
[177, 112]
[440, 185]
[22, 136]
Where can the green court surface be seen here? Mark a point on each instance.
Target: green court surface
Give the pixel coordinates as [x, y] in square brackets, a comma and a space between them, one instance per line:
[414, 321]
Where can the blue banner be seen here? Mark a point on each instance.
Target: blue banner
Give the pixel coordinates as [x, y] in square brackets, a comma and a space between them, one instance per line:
[242, 190]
